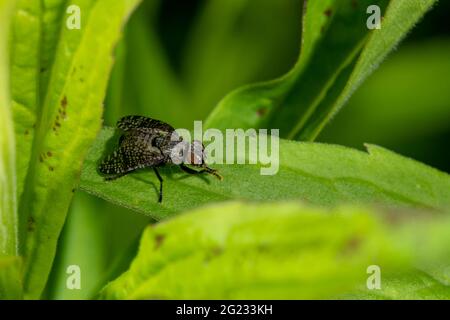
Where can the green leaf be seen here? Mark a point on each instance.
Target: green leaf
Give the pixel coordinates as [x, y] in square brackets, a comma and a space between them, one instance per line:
[32, 50]
[317, 173]
[8, 200]
[10, 278]
[338, 53]
[25, 69]
[58, 86]
[266, 251]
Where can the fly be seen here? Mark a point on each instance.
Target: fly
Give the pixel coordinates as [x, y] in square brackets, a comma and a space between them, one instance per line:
[150, 143]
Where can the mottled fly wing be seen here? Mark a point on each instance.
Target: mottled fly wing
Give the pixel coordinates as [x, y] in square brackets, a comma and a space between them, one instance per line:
[139, 122]
[135, 152]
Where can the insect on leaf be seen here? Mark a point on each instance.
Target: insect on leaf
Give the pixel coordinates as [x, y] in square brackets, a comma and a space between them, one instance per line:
[317, 173]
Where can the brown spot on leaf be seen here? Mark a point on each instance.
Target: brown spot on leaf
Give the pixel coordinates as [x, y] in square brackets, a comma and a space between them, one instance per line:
[51, 168]
[31, 224]
[261, 111]
[159, 239]
[351, 245]
[328, 12]
[64, 102]
[49, 153]
[27, 132]
[216, 251]
[41, 158]
[211, 254]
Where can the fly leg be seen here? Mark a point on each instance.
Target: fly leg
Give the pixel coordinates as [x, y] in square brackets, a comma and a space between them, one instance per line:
[204, 170]
[160, 184]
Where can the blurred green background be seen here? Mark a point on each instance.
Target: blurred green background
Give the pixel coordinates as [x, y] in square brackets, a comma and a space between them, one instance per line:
[179, 58]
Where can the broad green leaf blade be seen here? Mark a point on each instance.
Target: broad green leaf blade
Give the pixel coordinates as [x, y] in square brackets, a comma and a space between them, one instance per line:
[329, 69]
[53, 18]
[258, 251]
[25, 81]
[68, 115]
[8, 199]
[317, 173]
[36, 28]
[10, 278]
